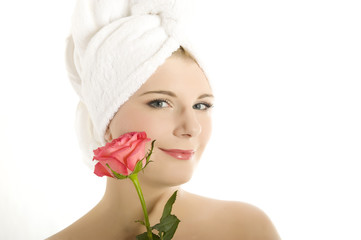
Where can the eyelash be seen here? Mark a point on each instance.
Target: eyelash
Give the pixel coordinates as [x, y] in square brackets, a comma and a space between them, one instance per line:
[158, 100]
[208, 106]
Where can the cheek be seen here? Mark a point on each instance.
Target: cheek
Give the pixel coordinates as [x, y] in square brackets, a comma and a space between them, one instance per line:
[154, 127]
[206, 130]
[138, 120]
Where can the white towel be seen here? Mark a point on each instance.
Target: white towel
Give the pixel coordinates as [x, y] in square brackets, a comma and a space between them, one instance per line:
[114, 47]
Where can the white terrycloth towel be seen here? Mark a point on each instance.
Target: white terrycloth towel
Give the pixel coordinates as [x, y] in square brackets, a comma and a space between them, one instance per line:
[114, 47]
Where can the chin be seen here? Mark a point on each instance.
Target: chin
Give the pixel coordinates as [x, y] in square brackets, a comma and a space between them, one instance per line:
[168, 176]
[179, 178]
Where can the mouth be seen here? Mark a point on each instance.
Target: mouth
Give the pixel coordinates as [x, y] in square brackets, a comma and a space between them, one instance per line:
[179, 154]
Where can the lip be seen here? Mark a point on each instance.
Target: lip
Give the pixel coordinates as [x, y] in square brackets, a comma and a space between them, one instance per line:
[179, 153]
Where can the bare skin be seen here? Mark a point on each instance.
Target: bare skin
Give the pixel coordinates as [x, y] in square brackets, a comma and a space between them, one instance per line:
[173, 107]
[201, 218]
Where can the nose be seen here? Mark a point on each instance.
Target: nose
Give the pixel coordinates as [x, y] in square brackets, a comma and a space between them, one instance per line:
[187, 125]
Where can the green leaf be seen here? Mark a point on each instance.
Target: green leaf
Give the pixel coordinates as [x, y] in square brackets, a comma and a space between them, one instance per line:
[156, 237]
[138, 167]
[168, 206]
[150, 153]
[117, 175]
[166, 223]
[141, 222]
[144, 236]
[170, 233]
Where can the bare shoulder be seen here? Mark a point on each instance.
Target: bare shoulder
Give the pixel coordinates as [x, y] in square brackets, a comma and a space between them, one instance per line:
[59, 236]
[83, 228]
[235, 220]
[254, 222]
[65, 234]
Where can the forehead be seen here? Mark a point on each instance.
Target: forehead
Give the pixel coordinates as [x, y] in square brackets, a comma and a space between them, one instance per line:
[177, 73]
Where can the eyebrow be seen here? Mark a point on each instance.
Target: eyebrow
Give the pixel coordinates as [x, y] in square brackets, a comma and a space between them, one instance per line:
[172, 94]
[160, 92]
[205, 96]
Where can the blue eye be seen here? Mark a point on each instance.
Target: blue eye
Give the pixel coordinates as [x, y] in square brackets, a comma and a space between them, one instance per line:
[202, 106]
[159, 103]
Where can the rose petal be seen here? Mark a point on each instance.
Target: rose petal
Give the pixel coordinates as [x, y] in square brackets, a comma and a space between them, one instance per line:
[100, 171]
[137, 154]
[122, 154]
[111, 149]
[116, 166]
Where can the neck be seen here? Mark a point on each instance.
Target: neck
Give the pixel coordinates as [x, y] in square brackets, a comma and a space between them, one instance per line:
[121, 205]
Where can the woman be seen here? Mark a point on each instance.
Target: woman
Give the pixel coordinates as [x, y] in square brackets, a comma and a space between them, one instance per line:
[136, 72]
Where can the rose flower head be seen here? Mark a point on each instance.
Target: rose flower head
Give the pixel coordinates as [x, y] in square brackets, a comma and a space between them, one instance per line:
[121, 155]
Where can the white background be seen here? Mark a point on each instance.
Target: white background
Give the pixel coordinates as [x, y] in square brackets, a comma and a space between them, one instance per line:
[287, 132]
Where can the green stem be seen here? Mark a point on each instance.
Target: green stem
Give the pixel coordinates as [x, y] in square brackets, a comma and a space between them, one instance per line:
[134, 178]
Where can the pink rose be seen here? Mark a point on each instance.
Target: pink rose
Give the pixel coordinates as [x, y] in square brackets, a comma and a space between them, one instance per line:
[122, 154]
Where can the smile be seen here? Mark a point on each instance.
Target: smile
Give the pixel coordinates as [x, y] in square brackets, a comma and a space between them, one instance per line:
[179, 154]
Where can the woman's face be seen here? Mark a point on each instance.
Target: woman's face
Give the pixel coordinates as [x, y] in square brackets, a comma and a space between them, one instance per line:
[174, 108]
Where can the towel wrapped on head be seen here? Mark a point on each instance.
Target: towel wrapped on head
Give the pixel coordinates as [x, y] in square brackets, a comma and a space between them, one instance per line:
[114, 47]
